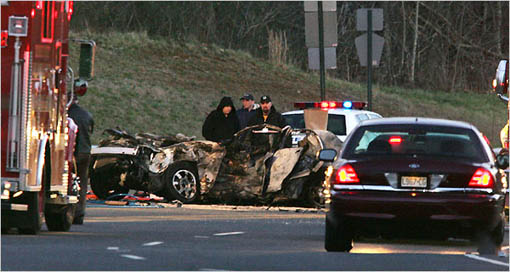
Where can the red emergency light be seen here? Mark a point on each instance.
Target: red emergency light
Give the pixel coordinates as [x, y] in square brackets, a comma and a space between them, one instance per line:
[70, 10]
[5, 36]
[395, 140]
[347, 104]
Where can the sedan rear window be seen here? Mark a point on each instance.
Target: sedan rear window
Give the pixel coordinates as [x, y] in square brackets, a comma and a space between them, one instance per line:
[336, 122]
[412, 140]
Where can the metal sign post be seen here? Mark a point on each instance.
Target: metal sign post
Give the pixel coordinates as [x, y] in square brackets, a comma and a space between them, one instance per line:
[369, 20]
[321, 51]
[321, 44]
[369, 60]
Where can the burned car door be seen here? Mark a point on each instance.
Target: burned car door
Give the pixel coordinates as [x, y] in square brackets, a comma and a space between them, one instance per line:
[283, 163]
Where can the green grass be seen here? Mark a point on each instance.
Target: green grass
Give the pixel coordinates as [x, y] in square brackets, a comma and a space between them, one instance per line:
[145, 84]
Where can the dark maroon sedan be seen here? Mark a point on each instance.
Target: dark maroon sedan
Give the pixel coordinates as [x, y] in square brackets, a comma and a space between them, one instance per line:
[415, 178]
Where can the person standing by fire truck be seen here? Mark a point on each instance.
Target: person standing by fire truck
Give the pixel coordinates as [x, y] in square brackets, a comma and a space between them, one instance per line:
[85, 123]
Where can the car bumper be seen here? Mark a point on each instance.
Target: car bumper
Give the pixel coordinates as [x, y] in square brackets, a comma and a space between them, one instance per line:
[416, 209]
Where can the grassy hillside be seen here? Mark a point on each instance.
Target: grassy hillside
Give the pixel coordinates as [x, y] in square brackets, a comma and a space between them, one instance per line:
[143, 84]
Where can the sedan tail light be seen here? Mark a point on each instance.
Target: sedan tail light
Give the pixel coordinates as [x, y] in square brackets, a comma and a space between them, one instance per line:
[345, 175]
[482, 179]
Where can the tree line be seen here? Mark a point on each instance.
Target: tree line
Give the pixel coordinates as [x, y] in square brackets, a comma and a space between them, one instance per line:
[450, 46]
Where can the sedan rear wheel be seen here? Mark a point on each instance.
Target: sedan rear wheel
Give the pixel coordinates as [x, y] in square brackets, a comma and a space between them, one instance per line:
[338, 237]
[489, 242]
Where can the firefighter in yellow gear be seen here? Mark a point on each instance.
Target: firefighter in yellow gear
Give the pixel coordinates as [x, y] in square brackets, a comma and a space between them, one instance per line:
[503, 135]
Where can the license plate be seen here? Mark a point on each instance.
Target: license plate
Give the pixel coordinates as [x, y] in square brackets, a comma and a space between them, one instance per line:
[416, 182]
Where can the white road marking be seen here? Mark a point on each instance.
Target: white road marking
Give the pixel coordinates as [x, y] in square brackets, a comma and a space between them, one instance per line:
[486, 260]
[210, 269]
[153, 243]
[112, 248]
[228, 233]
[134, 257]
[201, 237]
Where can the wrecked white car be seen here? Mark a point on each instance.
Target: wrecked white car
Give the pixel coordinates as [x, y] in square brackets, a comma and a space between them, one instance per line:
[258, 165]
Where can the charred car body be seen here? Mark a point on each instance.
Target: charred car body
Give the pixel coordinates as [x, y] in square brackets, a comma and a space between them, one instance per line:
[259, 164]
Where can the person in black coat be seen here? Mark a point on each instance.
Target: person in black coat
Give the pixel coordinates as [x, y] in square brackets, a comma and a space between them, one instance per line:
[221, 124]
[85, 123]
[267, 114]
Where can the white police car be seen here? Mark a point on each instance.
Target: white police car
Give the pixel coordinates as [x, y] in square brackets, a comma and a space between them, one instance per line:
[343, 116]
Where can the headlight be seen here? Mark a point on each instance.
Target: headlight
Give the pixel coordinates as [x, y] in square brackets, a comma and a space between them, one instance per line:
[8, 186]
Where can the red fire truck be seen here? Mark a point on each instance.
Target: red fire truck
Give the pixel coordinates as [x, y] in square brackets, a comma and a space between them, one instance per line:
[37, 138]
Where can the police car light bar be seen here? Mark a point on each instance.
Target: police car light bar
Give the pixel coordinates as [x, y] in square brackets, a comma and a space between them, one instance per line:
[347, 104]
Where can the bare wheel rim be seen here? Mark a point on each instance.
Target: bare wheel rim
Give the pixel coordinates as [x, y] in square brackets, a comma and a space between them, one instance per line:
[185, 183]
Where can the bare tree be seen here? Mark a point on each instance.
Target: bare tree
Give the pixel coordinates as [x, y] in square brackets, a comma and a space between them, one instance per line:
[415, 44]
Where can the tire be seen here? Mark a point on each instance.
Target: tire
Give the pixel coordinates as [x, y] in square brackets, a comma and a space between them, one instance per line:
[35, 213]
[182, 183]
[489, 242]
[337, 237]
[36, 201]
[314, 196]
[104, 183]
[59, 217]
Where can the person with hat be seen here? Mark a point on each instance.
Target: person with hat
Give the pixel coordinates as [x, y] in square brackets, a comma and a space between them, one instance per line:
[267, 114]
[221, 124]
[247, 111]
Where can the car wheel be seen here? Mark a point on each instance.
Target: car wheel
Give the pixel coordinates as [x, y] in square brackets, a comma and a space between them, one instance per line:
[59, 217]
[338, 237]
[104, 183]
[182, 183]
[489, 242]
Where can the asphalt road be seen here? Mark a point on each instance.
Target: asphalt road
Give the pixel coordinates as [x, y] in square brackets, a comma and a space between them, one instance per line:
[204, 238]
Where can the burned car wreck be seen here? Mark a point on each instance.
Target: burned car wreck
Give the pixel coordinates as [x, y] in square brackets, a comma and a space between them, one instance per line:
[259, 165]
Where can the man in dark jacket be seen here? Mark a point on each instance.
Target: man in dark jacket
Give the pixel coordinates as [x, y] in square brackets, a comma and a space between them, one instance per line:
[221, 124]
[85, 123]
[247, 111]
[267, 114]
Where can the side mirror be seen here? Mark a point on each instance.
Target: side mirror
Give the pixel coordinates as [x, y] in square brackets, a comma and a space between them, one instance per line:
[87, 55]
[502, 159]
[500, 82]
[327, 155]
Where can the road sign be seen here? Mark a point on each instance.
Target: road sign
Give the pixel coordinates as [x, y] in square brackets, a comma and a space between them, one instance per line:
[311, 6]
[377, 19]
[329, 58]
[330, 29]
[361, 48]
